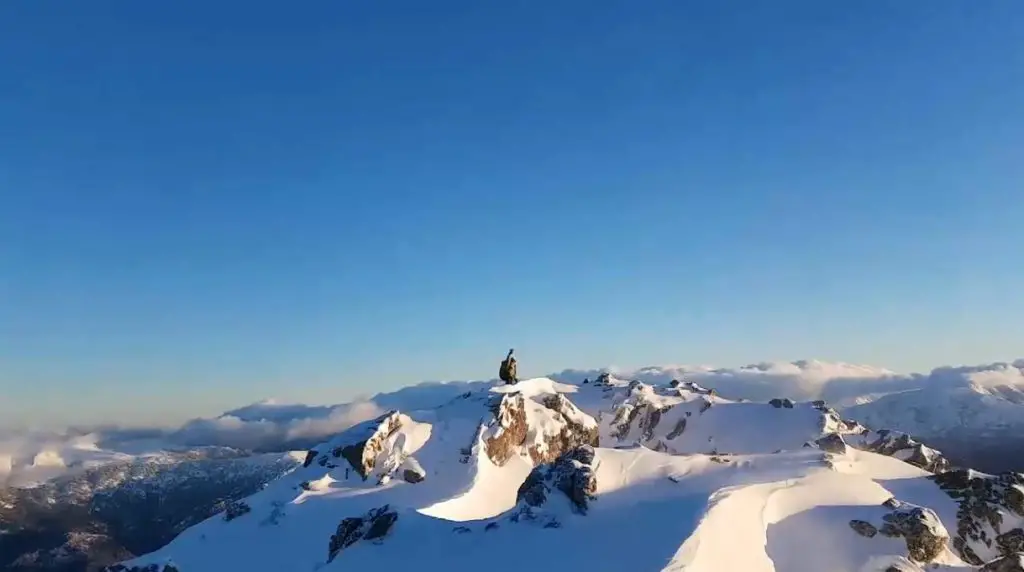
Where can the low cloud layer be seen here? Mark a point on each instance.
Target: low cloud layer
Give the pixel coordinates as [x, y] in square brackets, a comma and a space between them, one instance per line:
[267, 426]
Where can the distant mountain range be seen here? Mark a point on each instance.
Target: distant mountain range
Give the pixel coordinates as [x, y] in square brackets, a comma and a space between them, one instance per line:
[81, 497]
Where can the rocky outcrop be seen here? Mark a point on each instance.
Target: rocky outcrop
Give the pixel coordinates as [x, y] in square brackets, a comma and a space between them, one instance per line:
[864, 528]
[571, 474]
[578, 429]
[565, 428]
[508, 428]
[832, 443]
[373, 525]
[900, 446]
[412, 471]
[1009, 563]
[919, 527]
[236, 509]
[781, 403]
[984, 502]
[362, 454]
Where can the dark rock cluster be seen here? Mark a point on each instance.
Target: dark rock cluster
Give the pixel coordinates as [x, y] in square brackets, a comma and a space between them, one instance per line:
[983, 502]
[571, 474]
[373, 525]
[918, 526]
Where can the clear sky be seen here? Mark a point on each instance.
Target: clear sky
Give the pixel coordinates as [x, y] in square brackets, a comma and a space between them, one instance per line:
[203, 204]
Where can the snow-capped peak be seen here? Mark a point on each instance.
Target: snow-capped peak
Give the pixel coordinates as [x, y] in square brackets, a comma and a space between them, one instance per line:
[553, 476]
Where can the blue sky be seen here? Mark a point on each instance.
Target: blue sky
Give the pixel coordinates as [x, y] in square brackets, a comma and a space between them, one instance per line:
[205, 204]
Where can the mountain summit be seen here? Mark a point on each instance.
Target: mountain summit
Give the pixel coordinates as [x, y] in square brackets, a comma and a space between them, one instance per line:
[610, 474]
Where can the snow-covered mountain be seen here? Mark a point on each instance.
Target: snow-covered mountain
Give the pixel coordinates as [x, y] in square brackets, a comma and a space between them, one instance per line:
[106, 513]
[609, 474]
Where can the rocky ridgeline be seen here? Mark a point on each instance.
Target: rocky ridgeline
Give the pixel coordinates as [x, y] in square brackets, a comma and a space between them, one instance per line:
[990, 516]
[919, 527]
[641, 415]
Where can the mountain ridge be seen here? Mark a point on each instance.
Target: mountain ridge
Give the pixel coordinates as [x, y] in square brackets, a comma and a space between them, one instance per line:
[544, 461]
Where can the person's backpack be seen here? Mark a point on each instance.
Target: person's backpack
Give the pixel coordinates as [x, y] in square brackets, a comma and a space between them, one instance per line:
[507, 371]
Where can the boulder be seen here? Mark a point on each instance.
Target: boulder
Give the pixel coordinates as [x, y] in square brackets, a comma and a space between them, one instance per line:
[412, 471]
[375, 524]
[781, 403]
[864, 528]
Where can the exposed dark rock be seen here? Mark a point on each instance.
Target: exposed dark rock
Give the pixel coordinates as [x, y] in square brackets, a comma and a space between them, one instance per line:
[678, 429]
[571, 474]
[310, 456]
[1011, 542]
[374, 524]
[461, 530]
[780, 403]
[924, 534]
[491, 526]
[832, 443]
[236, 509]
[891, 443]
[864, 528]
[411, 476]
[982, 500]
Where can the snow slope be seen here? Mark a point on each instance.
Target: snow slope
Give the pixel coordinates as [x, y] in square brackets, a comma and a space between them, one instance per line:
[597, 476]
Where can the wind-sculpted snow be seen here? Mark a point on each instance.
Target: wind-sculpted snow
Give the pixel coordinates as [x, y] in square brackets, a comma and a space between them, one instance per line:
[610, 474]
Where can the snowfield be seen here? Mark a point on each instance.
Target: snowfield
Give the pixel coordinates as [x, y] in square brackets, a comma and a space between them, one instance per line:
[606, 474]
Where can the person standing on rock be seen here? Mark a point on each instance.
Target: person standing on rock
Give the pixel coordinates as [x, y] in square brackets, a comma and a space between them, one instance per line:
[507, 371]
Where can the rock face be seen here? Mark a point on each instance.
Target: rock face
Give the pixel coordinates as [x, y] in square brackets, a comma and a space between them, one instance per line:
[564, 427]
[989, 515]
[1009, 563]
[781, 403]
[575, 432]
[509, 428]
[832, 443]
[918, 526]
[375, 524]
[571, 474]
[361, 455]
